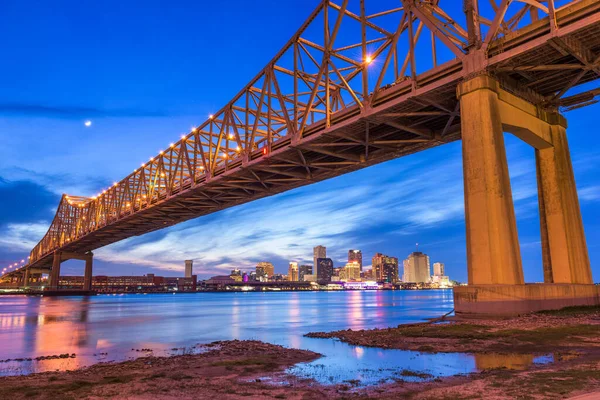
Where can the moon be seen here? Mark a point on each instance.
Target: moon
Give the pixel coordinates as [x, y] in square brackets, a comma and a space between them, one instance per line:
[88, 123]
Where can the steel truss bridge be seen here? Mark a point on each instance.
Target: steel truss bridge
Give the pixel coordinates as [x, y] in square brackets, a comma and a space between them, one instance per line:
[356, 85]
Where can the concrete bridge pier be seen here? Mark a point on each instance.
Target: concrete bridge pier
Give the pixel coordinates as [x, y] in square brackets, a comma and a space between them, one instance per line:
[61, 256]
[495, 273]
[25, 281]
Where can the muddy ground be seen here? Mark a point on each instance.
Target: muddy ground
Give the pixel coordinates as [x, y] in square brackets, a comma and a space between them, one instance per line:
[256, 370]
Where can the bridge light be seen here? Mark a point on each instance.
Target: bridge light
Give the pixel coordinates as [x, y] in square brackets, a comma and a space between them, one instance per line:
[172, 145]
[114, 183]
[183, 136]
[193, 129]
[161, 152]
[162, 174]
[210, 116]
[368, 60]
[237, 148]
[230, 136]
[143, 165]
[264, 151]
[224, 155]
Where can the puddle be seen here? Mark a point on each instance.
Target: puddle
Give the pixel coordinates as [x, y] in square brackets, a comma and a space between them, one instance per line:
[382, 366]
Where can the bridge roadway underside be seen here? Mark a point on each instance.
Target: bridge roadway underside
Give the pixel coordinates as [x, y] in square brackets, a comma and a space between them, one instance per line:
[403, 119]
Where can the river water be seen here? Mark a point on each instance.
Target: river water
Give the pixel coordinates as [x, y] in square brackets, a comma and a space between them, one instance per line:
[119, 327]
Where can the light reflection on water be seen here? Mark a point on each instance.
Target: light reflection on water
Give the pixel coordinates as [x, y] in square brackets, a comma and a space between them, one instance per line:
[112, 327]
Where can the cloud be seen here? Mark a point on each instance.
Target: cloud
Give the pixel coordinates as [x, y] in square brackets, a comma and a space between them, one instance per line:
[25, 201]
[71, 112]
[589, 193]
[22, 237]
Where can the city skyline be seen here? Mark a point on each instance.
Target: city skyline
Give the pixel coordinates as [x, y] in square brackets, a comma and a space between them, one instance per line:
[419, 197]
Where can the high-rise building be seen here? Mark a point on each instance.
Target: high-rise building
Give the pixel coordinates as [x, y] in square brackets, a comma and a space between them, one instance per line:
[355, 256]
[265, 268]
[304, 270]
[293, 271]
[417, 268]
[189, 268]
[438, 269]
[318, 252]
[324, 269]
[352, 271]
[385, 268]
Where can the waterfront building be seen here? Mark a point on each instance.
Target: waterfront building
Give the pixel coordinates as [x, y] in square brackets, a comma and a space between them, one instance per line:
[189, 268]
[385, 268]
[438, 269]
[367, 274]
[318, 252]
[265, 268]
[324, 269]
[355, 256]
[304, 270]
[293, 271]
[236, 272]
[351, 271]
[310, 278]
[131, 284]
[417, 268]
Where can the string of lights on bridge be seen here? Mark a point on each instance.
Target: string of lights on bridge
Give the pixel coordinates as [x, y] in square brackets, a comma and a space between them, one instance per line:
[14, 266]
[368, 61]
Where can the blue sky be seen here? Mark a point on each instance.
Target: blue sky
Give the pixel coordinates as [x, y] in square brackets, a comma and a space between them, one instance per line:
[145, 73]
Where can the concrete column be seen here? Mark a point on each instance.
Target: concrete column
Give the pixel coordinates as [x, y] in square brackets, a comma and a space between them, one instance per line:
[565, 254]
[87, 279]
[493, 253]
[55, 273]
[25, 282]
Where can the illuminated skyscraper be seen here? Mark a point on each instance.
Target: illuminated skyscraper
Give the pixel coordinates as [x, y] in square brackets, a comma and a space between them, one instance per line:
[385, 268]
[417, 268]
[304, 270]
[355, 256]
[438, 269]
[318, 252]
[265, 269]
[325, 269]
[189, 268]
[352, 271]
[293, 272]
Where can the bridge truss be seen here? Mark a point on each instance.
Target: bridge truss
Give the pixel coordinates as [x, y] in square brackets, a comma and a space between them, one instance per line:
[361, 82]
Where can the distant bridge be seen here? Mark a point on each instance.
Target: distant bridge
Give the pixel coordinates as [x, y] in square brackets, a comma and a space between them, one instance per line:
[356, 86]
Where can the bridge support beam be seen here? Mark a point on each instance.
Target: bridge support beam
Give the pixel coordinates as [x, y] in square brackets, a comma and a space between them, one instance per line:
[493, 253]
[61, 256]
[55, 272]
[87, 278]
[25, 281]
[496, 284]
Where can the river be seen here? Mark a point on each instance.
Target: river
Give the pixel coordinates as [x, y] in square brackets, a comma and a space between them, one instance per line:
[119, 327]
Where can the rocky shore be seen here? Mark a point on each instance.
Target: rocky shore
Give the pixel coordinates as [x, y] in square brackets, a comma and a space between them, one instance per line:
[504, 351]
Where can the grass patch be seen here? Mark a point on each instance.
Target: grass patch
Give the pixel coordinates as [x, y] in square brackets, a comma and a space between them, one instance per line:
[246, 362]
[468, 332]
[572, 311]
[552, 382]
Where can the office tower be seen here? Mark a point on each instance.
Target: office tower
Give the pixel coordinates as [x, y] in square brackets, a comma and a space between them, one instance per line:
[352, 271]
[318, 252]
[293, 272]
[324, 269]
[385, 268]
[355, 255]
[438, 269]
[266, 268]
[236, 272]
[188, 268]
[417, 268]
[304, 270]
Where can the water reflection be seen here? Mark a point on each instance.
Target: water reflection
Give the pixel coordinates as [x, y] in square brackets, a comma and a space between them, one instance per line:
[519, 362]
[108, 327]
